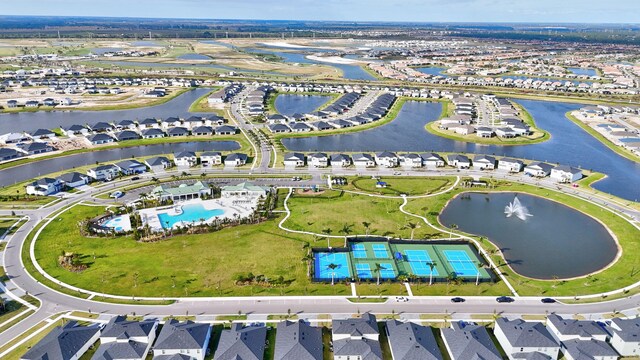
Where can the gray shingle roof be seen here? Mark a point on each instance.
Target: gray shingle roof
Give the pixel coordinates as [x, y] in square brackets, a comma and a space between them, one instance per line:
[365, 325]
[469, 342]
[240, 343]
[521, 333]
[410, 341]
[298, 341]
[365, 348]
[177, 335]
[119, 325]
[157, 161]
[62, 343]
[582, 328]
[120, 350]
[588, 349]
[72, 177]
[627, 329]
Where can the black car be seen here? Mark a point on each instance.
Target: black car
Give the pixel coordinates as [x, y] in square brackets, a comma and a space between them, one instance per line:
[504, 299]
[457, 300]
[548, 300]
[135, 178]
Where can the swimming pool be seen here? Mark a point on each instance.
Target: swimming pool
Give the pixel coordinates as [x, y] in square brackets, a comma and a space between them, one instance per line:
[191, 213]
[118, 223]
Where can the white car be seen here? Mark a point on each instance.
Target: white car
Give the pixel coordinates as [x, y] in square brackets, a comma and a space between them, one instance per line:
[116, 194]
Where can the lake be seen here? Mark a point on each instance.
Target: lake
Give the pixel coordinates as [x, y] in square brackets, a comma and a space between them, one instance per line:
[289, 104]
[193, 56]
[583, 71]
[556, 241]
[432, 70]
[25, 172]
[569, 144]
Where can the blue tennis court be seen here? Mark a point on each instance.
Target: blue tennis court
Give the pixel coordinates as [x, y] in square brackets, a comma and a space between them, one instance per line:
[364, 271]
[380, 251]
[461, 262]
[323, 271]
[387, 271]
[358, 251]
[419, 261]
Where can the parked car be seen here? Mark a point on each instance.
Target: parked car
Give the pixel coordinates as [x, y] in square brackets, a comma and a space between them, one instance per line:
[504, 299]
[116, 194]
[135, 178]
[401, 299]
[457, 300]
[548, 300]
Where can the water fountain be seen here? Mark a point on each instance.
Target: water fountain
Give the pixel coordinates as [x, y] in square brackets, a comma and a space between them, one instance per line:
[517, 209]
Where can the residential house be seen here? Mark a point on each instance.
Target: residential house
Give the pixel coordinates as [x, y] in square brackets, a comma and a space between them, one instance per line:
[123, 339]
[41, 134]
[294, 159]
[126, 125]
[318, 160]
[127, 135]
[10, 154]
[484, 162]
[411, 160]
[538, 169]
[101, 126]
[180, 192]
[148, 123]
[236, 159]
[299, 127]
[484, 132]
[458, 161]
[340, 160]
[68, 342]
[14, 138]
[464, 341]
[130, 167]
[36, 148]
[510, 165]
[356, 338]
[566, 329]
[185, 159]
[100, 138]
[170, 122]
[43, 187]
[387, 159]
[279, 128]
[506, 132]
[183, 338]
[76, 130]
[241, 343]
[592, 349]
[210, 158]
[298, 341]
[158, 163]
[152, 133]
[226, 130]
[410, 341]
[194, 121]
[432, 160]
[625, 336]
[177, 131]
[519, 338]
[243, 189]
[73, 179]
[362, 160]
[566, 174]
[202, 131]
[104, 172]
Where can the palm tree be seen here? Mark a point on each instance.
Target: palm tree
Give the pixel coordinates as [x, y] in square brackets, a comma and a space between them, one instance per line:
[346, 230]
[480, 265]
[413, 226]
[432, 266]
[452, 227]
[143, 198]
[308, 258]
[377, 270]
[327, 232]
[332, 267]
[366, 227]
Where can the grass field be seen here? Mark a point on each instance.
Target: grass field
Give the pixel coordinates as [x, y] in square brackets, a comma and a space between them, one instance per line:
[400, 185]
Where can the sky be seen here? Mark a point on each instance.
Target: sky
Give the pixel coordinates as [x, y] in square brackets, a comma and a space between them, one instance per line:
[554, 11]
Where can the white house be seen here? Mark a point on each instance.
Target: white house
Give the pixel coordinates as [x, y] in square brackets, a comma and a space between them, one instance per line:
[158, 163]
[210, 158]
[538, 169]
[130, 167]
[185, 159]
[43, 187]
[340, 160]
[293, 159]
[356, 338]
[593, 349]
[432, 160]
[411, 160]
[318, 160]
[484, 162]
[183, 338]
[458, 161]
[510, 165]
[387, 159]
[519, 338]
[362, 160]
[236, 159]
[464, 341]
[567, 329]
[566, 174]
[73, 179]
[104, 172]
[70, 340]
[122, 339]
[484, 132]
[625, 336]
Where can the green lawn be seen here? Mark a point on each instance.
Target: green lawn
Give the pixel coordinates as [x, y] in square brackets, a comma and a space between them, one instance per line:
[334, 209]
[401, 185]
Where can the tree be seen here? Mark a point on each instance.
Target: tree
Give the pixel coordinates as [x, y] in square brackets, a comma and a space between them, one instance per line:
[328, 232]
[308, 258]
[413, 226]
[346, 230]
[143, 198]
[366, 227]
[452, 227]
[377, 269]
[135, 279]
[332, 267]
[432, 266]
